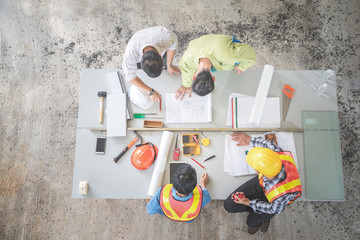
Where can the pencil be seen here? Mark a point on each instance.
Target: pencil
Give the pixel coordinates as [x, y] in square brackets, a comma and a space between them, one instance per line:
[209, 158]
[236, 113]
[232, 112]
[198, 163]
[160, 104]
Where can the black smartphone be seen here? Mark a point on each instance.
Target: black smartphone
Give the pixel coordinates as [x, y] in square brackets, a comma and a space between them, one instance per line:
[100, 145]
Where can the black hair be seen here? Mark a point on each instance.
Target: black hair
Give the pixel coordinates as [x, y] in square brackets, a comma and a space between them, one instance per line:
[203, 84]
[152, 63]
[184, 179]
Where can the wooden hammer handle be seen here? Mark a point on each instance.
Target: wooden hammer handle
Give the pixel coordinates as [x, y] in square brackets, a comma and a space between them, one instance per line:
[101, 112]
[116, 159]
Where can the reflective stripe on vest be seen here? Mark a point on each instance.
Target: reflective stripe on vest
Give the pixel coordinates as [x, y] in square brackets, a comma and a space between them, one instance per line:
[171, 206]
[290, 184]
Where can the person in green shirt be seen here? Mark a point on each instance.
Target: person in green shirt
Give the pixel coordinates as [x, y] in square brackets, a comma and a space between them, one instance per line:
[208, 53]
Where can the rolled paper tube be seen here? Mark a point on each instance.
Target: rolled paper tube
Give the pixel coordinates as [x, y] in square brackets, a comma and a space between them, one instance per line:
[261, 94]
[160, 162]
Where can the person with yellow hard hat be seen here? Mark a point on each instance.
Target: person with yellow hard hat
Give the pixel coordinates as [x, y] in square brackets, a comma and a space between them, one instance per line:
[276, 186]
[183, 199]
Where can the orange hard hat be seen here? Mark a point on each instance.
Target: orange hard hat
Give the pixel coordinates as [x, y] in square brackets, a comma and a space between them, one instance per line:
[265, 161]
[144, 155]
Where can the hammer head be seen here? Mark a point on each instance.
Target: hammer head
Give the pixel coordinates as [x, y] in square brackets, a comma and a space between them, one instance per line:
[101, 94]
[138, 136]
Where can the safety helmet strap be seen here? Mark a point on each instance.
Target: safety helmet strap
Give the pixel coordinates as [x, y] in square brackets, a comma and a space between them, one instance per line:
[151, 145]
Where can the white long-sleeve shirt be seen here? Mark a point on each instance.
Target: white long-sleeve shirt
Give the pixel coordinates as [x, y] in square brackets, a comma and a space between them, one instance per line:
[161, 38]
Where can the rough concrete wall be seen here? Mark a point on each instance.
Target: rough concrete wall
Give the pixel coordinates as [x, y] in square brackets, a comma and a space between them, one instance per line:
[46, 43]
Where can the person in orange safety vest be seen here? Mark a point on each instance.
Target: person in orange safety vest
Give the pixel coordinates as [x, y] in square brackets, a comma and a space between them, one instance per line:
[182, 200]
[276, 186]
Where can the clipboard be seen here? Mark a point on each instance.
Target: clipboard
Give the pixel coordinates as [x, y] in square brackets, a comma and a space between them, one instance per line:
[174, 166]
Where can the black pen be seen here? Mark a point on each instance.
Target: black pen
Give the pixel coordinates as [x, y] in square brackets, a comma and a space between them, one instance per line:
[209, 158]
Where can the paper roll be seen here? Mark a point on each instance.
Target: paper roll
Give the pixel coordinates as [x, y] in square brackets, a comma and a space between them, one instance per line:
[160, 163]
[261, 94]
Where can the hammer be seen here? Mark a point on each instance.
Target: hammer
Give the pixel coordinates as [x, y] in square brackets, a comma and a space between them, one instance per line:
[102, 95]
[137, 137]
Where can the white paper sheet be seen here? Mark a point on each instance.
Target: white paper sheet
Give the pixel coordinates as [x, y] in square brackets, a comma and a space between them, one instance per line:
[160, 162]
[261, 94]
[116, 115]
[287, 142]
[270, 117]
[235, 157]
[190, 110]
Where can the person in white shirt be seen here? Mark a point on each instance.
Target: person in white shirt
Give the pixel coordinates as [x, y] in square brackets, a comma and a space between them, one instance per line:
[148, 46]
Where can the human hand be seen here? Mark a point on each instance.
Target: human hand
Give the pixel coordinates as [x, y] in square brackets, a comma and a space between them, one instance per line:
[182, 91]
[237, 70]
[242, 138]
[204, 180]
[156, 97]
[240, 198]
[173, 69]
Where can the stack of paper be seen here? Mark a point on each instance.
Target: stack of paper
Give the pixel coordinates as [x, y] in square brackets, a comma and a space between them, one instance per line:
[240, 107]
[235, 156]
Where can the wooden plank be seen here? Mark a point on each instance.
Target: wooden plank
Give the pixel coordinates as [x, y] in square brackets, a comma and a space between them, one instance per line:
[211, 129]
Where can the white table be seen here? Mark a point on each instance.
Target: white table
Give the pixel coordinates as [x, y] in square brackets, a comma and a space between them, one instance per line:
[108, 179]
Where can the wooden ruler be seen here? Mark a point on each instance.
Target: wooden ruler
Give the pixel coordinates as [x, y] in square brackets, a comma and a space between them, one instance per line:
[211, 129]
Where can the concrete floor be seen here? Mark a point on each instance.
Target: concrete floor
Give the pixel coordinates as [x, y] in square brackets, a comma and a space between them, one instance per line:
[46, 43]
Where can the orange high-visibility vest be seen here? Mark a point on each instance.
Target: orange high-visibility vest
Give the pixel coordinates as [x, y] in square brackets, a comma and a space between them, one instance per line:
[183, 211]
[291, 183]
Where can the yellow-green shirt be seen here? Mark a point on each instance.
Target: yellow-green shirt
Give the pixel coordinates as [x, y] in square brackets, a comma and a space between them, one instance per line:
[223, 53]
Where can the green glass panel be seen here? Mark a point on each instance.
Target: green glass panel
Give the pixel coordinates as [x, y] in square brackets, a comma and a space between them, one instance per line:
[323, 163]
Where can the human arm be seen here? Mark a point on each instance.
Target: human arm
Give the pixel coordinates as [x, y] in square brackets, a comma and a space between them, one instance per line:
[180, 92]
[153, 205]
[240, 200]
[188, 66]
[244, 140]
[237, 70]
[259, 142]
[131, 57]
[171, 69]
[204, 180]
[206, 197]
[275, 207]
[247, 57]
[187, 79]
[156, 97]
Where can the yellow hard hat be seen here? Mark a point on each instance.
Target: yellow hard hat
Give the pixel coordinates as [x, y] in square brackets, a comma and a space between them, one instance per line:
[265, 161]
